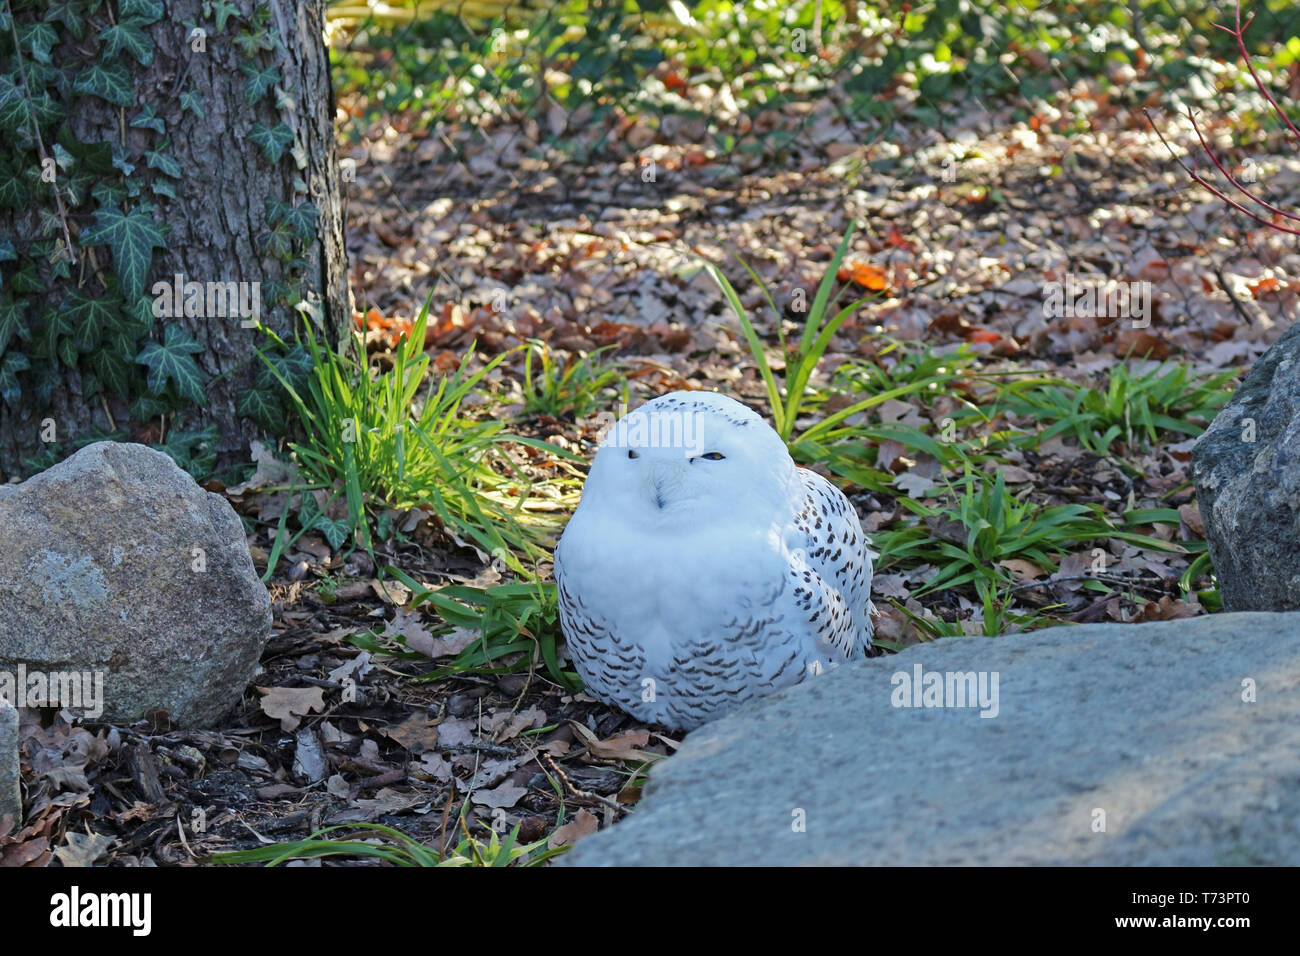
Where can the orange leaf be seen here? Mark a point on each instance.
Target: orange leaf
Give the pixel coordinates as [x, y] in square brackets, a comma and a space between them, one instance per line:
[898, 240]
[1268, 284]
[864, 274]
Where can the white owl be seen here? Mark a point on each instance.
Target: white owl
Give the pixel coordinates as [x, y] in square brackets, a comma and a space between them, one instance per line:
[703, 568]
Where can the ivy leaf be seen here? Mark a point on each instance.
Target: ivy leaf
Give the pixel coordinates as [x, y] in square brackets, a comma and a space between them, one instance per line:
[109, 81]
[251, 41]
[27, 280]
[65, 160]
[140, 316]
[132, 236]
[13, 191]
[11, 321]
[112, 370]
[293, 367]
[18, 110]
[172, 361]
[68, 12]
[10, 366]
[278, 242]
[13, 104]
[148, 119]
[273, 141]
[127, 35]
[40, 39]
[193, 451]
[262, 406]
[55, 329]
[122, 160]
[163, 187]
[223, 11]
[148, 407]
[161, 161]
[146, 11]
[89, 316]
[94, 158]
[107, 195]
[312, 518]
[285, 100]
[302, 220]
[260, 81]
[192, 101]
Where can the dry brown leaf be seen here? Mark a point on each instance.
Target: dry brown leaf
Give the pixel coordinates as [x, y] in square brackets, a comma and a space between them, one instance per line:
[290, 704]
[506, 795]
[1190, 514]
[415, 733]
[1168, 609]
[1023, 571]
[624, 746]
[584, 823]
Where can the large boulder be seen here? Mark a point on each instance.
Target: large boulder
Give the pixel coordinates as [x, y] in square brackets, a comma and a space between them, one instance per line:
[116, 565]
[1247, 472]
[11, 801]
[1175, 743]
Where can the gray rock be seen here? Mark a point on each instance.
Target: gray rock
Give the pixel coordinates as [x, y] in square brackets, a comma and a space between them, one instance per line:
[11, 800]
[1249, 491]
[116, 565]
[1146, 722]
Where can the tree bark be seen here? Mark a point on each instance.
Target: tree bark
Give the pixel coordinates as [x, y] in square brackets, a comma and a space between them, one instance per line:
[219, 218]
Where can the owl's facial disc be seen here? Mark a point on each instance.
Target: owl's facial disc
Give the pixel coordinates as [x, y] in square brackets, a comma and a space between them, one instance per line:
[687, 461]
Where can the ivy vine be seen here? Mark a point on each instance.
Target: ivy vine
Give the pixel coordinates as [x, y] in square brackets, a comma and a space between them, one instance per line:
[87, 217]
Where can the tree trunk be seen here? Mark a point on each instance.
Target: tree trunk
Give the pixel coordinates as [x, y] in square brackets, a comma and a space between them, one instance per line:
[247, 76]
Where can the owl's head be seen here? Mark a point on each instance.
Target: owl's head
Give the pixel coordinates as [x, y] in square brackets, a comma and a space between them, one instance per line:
[687, 458]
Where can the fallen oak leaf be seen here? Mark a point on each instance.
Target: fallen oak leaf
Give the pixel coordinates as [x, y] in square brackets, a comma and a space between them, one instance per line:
[290, 704]
[584, 823]
[506, 795]
[83, 850]
[415, 733]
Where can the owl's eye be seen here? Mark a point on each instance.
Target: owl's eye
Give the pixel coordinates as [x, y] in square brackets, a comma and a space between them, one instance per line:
[631, 453]
[713, 456]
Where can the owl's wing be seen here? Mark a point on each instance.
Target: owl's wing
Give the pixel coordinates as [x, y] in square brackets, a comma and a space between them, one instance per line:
[605, 662]
[834, 582]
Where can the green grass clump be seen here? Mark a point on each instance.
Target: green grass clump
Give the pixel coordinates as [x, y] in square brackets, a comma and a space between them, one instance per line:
[397, 849]
[1133, 410]
[574, 388]
[795, 393]
[518, 625]
[982, 524]
[400, 440]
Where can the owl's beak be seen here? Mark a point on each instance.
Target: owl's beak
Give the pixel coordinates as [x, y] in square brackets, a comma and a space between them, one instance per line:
[664, 476]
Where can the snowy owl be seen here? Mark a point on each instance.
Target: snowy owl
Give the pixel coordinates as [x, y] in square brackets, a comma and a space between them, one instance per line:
[703, 568]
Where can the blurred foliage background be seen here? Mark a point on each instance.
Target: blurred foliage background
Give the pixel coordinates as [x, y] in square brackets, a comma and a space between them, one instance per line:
[719, 65]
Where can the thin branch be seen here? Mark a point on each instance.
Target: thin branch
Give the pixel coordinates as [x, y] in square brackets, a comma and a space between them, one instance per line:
[1239, 32]
[1198, 178]
[1229, 177]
